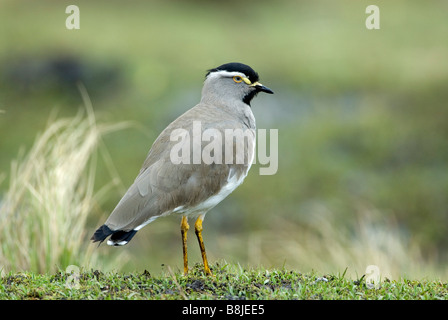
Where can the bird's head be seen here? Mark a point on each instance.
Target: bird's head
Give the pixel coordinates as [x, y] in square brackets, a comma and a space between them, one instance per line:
[232, 81]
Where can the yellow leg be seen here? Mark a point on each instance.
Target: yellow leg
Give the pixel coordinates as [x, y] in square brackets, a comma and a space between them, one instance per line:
[183, 229]
[198, 231]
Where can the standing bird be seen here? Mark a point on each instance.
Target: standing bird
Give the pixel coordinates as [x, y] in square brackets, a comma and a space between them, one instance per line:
[191, 186]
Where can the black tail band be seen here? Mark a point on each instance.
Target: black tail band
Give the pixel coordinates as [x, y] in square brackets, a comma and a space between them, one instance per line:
[118, 237]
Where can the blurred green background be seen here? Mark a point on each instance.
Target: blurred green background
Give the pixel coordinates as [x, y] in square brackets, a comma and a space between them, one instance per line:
[361, 115]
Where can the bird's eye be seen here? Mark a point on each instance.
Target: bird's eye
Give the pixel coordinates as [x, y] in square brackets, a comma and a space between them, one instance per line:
[237, 79]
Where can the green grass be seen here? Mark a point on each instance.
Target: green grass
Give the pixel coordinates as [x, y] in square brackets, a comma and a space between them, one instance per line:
[229, 282]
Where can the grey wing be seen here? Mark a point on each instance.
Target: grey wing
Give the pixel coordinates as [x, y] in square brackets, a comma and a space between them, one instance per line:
[136, 204]
[162, 186]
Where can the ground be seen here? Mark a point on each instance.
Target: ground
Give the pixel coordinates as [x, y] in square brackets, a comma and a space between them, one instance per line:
[229, 282]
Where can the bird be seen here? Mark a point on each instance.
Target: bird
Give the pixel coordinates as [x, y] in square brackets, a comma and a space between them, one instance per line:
[189, 186]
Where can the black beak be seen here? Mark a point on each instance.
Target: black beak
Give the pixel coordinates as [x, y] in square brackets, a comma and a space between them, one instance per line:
[262, 88]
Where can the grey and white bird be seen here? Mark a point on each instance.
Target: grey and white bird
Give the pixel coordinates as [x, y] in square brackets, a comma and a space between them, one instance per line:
[213, 162]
